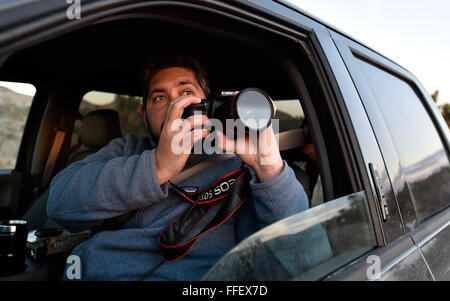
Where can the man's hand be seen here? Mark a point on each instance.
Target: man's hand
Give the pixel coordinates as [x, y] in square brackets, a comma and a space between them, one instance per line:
[261, 154]
[170, 162]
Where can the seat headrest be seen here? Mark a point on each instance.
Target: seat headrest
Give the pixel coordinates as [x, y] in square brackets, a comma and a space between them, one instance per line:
[99, 128]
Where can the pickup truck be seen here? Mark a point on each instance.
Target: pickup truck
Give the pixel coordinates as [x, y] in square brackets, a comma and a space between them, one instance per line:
[380, 182]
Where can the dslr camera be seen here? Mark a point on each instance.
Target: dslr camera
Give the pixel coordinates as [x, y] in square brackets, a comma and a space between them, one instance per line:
[251, 107]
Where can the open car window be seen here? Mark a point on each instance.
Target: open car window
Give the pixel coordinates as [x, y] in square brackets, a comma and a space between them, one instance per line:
[307, 246]
[15, 103]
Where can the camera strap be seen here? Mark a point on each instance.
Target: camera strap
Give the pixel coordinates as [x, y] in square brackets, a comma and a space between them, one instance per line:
[229, 192]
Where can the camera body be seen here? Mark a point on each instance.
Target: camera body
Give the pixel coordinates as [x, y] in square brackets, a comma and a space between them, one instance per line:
[252, 107]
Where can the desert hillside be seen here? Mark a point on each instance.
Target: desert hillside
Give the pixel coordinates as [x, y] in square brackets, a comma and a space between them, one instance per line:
[14, 108]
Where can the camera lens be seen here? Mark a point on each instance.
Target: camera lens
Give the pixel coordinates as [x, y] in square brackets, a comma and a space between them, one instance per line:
[254, 109]
[13, 237]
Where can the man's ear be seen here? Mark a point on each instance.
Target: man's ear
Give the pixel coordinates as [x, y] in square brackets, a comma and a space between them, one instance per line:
[144, 115]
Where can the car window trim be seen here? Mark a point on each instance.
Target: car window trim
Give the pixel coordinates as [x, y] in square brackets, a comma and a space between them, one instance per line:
[431, 227]
[45, 22]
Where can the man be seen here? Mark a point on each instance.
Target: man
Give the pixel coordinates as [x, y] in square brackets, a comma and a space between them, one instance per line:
[132, 174]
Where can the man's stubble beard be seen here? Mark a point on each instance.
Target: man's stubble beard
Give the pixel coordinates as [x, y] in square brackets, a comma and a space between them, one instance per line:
[153, 136]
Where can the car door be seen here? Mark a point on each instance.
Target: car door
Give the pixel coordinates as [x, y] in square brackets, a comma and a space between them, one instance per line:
[391, 254]
[414, 142]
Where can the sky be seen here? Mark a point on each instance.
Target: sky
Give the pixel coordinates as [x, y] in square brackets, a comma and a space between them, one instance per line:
[413, 33]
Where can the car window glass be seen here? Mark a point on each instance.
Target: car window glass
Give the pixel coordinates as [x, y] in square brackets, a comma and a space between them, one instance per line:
[289, 113]
[15, 103]
[128, 108]
[307, 246]
[422, 157]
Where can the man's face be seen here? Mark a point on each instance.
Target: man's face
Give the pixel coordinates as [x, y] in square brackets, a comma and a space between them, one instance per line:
[166, 86]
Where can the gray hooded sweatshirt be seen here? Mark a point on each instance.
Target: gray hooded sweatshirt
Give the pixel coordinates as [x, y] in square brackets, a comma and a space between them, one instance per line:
[121, 177]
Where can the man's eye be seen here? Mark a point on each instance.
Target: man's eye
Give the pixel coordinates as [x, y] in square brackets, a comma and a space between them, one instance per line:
[187, 92]
[159, 98]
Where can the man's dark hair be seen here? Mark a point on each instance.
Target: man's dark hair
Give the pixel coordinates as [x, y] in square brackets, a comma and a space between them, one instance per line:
[188, 61]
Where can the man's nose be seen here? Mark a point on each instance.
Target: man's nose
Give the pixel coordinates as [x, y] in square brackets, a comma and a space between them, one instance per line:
[173, 95]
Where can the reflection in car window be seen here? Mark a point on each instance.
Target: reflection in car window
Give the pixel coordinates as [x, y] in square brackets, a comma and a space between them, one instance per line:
[15, 103]
[422, 156]
[127, 106]
[307, 246]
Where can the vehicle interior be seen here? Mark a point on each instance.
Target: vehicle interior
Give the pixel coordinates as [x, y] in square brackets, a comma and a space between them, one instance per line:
[107, 57]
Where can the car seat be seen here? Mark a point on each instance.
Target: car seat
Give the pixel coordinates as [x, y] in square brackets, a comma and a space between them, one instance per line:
[97, 130]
